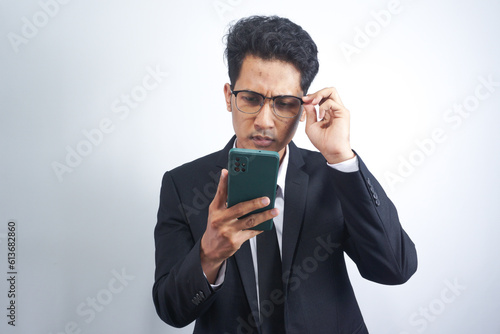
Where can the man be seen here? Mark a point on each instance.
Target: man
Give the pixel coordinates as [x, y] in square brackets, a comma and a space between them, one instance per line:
[208, 266]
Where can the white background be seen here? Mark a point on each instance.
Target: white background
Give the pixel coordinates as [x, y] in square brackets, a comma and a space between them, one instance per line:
[78, 229]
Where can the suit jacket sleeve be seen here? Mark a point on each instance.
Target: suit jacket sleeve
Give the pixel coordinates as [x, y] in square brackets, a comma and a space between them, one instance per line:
[181, 292]
[376, 242]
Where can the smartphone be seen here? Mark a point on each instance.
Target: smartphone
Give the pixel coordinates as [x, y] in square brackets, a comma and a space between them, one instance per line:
[252, 174]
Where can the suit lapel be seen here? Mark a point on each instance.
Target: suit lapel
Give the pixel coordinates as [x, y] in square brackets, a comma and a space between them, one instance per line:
[295, 201]
[222, 157]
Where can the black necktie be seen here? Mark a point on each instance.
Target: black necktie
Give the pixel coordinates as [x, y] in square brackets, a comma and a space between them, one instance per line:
[271, 296]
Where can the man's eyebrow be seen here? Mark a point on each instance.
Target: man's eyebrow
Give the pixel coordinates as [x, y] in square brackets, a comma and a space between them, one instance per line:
[274, 95]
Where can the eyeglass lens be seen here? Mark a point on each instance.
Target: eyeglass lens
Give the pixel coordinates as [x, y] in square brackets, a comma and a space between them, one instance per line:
[250, 102]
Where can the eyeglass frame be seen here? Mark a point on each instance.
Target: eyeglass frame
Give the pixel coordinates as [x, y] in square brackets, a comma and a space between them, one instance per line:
[272, 98]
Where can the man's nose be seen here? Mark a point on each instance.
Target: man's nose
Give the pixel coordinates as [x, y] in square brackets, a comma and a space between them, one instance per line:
[265, 117]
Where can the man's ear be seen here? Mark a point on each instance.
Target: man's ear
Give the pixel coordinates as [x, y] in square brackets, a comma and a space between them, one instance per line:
[227, 95]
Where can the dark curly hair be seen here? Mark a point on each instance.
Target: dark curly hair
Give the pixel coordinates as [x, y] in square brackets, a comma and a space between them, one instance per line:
[271, 38]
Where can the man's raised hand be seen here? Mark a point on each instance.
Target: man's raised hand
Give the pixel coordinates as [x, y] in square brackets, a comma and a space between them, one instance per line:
[330, 132]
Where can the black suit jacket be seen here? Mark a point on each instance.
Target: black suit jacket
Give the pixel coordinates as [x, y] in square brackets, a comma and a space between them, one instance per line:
[326, 213]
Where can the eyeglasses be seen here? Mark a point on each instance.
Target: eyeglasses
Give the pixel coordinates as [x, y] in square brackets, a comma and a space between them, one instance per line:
[285, 106]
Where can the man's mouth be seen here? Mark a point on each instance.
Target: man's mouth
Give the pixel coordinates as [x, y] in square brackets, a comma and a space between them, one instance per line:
[262, 141]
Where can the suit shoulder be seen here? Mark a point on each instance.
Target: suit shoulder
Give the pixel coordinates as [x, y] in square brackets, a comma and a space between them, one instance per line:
[199, 164]
[201, 171]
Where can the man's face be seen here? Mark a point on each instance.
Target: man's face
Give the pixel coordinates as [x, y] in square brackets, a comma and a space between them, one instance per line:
[264, 130]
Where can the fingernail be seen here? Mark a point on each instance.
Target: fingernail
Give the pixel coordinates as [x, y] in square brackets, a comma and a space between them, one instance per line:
[275, 212]
[265, 201]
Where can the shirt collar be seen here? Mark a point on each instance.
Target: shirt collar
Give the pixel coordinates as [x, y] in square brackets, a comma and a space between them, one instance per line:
[282, 171]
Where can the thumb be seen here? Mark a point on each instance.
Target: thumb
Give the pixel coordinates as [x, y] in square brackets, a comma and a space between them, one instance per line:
[221, 194]
[310, 114]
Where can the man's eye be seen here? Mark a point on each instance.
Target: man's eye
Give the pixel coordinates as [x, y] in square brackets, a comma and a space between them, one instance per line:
[283, 104]
[286, 103]
[250, 99]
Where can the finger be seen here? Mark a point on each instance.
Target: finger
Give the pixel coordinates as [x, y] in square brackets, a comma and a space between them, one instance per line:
[310, 114]
[336, 97]
[323, 95]
[220, 198]
[319, 96]
[246, 207]
[313, 99]
[256, 219]
[244, 235]
[329, 105]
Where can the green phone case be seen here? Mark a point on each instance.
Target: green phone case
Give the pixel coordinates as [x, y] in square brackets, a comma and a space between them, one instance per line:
[252, 174]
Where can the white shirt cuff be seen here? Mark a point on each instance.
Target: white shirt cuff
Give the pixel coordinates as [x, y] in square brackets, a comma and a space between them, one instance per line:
[220, 276]
[348, 166]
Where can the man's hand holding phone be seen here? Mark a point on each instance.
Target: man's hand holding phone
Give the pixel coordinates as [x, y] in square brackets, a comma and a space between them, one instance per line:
[225, 233]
